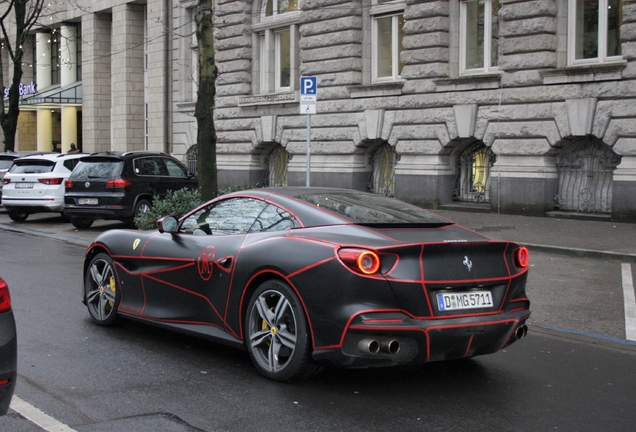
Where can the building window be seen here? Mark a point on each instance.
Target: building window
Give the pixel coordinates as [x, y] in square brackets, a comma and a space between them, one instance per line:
[472, 183]
[277, 32]
[387, 28]
[78, 55]
[55, 57]
[278, 161]
[382, 180]
[194, 57]
[479, 35]
[594, 31]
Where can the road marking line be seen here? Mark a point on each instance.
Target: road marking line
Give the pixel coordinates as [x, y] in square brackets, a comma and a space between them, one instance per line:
[630, 302]
[36, 416]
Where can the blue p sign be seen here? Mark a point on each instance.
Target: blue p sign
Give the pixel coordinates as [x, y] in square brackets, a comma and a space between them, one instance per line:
[308, 85]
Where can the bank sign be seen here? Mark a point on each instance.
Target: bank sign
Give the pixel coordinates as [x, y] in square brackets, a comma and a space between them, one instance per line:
[23, 89]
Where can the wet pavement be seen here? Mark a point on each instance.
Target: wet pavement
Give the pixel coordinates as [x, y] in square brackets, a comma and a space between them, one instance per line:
[558, 235]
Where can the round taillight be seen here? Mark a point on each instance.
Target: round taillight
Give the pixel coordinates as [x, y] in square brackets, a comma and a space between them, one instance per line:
[522, 257]
[360, 260]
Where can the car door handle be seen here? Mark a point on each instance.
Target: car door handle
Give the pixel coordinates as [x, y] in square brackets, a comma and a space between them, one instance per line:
[225, 263]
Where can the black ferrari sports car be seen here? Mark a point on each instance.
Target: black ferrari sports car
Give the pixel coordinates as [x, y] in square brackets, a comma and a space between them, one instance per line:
[310, 277]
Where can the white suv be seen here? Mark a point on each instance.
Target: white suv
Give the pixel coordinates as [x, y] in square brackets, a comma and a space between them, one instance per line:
[35, 184]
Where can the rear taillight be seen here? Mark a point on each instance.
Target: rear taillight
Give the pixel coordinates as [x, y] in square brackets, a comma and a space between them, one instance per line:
[5, 299]
[68, 184]
[52, 181]
[117, 184]
[522, 257]
[6, 180]
[360, 260]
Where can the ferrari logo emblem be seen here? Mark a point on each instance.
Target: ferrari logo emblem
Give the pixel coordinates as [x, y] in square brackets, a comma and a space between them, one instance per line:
[468, 263]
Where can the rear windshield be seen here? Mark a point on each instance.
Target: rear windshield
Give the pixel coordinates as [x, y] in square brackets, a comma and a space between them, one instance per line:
[98, 169]
[32, 166]
[369, 209]
[5, 163]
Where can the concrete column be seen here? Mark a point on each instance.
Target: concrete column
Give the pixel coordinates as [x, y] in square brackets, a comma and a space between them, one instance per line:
[45, 129]
[128, 77]
[96, 82]
[69, 127]
[68, 52]
[43, 59]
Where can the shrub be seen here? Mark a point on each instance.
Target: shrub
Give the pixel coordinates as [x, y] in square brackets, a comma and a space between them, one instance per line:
[176, 203]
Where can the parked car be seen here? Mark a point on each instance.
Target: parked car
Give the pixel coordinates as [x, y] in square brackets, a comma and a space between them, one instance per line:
[6, 160]
[307, 277]
[121, 186]
[8, 349]
[35, 184]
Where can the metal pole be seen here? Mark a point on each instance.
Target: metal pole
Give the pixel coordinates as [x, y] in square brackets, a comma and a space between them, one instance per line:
[308, 183]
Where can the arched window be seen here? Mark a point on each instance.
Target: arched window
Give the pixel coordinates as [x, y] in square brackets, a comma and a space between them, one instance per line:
[191, 158]
[585, 168]
[472, 183]
[382, 179]
[277, 161]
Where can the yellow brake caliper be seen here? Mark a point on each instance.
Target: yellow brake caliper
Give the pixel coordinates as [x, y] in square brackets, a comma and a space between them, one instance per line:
[113, 289]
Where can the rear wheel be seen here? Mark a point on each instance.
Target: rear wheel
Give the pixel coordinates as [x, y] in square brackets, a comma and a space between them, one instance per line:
[17, 216]
[142, 207]
[101, 291]
[81, 221]
[277, 335]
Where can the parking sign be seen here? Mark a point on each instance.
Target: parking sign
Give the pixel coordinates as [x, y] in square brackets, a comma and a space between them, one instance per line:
[308, 85]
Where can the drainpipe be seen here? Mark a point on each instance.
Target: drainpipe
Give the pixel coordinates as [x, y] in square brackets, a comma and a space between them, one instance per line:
[166, 115]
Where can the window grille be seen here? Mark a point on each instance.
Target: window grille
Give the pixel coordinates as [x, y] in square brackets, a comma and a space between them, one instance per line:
[382, 179]
[472, 183]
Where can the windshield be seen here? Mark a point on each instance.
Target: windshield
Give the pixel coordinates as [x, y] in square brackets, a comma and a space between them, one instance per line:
[98, 169]
[370, 209]
[32, 166]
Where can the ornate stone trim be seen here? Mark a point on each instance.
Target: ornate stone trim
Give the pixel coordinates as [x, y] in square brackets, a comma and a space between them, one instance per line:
[468, 82]
[374, 90]
[268, 99]
[582, 73]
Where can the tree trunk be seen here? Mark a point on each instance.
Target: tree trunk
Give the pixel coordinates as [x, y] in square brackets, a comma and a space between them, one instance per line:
[26, 14]
[204, 110]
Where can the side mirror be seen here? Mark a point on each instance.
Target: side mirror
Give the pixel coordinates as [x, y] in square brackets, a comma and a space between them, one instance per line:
[168, 224]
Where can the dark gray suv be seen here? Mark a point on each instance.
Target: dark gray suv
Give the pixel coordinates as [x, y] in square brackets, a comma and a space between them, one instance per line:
[121, 186]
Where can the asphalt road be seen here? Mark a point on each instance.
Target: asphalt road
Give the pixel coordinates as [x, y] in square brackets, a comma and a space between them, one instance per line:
[135, 377]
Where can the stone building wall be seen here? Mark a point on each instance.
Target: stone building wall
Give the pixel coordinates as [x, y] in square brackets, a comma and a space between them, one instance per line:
[527, 112]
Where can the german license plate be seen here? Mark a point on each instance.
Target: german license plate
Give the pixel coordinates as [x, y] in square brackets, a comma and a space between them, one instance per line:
[464, 300]
[24, 185]
[87, 201]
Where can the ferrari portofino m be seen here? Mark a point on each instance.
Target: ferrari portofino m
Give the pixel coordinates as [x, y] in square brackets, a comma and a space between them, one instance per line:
[309, 277]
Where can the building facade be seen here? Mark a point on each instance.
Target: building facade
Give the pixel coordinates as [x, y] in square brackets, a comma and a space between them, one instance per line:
[522, 106]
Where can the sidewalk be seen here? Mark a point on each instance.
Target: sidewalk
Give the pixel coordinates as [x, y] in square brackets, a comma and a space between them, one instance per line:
[576, 237]
[571, 236]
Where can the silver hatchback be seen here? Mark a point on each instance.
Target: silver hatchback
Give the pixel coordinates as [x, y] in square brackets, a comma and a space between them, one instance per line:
[35, 184]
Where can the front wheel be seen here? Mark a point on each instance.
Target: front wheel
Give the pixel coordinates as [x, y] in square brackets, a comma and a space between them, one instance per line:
[101, 292]
[276, 334]
[17, 216]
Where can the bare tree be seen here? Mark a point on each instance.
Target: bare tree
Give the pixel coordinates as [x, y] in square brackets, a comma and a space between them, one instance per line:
[25, 13]
[204, 109]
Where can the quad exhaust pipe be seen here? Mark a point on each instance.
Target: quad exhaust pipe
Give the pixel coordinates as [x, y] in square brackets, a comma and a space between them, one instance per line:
[521, 331]
[372, 346]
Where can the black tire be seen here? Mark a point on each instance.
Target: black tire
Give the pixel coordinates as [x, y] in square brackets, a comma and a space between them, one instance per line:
[101, 290]
[81, 222]
[142, 207]
[17, 216]
[277, 336]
